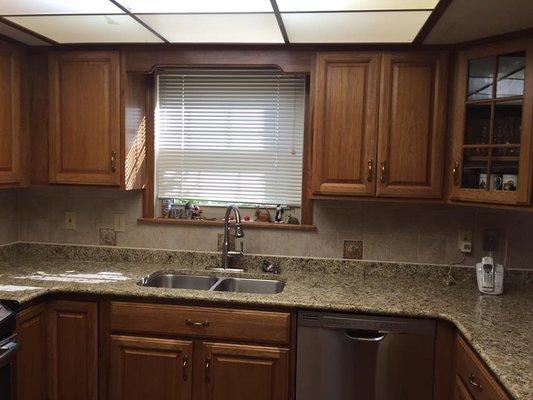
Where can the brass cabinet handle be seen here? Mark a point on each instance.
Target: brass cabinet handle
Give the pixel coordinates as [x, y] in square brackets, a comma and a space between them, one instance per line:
[199, 323]
[474, 383]
[370, 170]
[455, 173]
[207, 370]
[113, 161]
[184, 366]
[383, 178]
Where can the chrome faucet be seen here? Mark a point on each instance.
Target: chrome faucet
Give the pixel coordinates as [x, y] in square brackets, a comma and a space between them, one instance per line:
[227, 254]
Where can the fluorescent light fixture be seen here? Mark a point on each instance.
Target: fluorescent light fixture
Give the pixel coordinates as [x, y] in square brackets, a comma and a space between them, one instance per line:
[354, 5]
[196, 6]
[88, 28]
[216, 28]
[25, 7]
[358, 27]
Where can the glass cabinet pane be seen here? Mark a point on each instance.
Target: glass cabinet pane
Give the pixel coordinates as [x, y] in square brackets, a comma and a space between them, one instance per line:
[475, 168]
[507, 123]
[511, 69]
[477, 129]
[481, 78]
[504, 170]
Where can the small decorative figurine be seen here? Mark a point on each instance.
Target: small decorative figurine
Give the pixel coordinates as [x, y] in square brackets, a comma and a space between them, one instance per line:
[279, 213]
[292, 220]
[263, 215]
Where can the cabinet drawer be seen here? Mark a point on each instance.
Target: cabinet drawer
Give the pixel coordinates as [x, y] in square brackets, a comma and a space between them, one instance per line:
[475, 376]
[248, 325]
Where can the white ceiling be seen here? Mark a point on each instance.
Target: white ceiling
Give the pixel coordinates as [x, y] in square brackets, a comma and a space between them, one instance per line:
[220, 21]
[466, 20]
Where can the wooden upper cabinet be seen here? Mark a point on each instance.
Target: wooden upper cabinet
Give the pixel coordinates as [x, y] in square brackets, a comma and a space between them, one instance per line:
[491, 158]
[73, 350]
[345, 123]
[147, 368]
[412, 124]
[244, 372]
[84, 115]
[10, 128]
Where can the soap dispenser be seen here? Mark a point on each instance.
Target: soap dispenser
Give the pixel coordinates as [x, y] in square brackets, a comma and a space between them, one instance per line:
[489, 276]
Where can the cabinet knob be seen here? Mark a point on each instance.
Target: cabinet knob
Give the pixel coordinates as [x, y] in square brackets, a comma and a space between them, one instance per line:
[370, 177]
[455, 173]
[383, 178]
[184, 366]
[207, 370]
[474, 383]
[199, 323]
[113, 161]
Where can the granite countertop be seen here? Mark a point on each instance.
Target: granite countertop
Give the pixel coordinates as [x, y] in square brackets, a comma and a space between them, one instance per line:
[498, 327]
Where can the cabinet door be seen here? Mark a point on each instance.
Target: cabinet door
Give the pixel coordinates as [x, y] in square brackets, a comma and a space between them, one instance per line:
[84, 118]
[73, 351]
[31, 365]
[9, 115]
[243, 372]
[145, 368]
[492, 127]
[459, 390]
[345, 123]
[412, 125]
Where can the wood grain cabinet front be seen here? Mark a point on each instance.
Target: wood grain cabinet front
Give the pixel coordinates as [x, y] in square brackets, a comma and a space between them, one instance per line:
[148, 368]
[244, 372]
[31, 367]
[472, 377]
[344, 135]
[73, 350]
[10, 123]
[84, 118]
[412, 125]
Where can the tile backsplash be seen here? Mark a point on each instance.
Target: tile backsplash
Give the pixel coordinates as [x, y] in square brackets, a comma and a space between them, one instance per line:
[9, 230]
[425, 233]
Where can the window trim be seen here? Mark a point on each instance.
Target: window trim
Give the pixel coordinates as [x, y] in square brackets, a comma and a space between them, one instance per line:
[149, 195]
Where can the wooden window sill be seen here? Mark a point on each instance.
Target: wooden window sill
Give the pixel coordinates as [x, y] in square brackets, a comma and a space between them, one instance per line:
[246, 224]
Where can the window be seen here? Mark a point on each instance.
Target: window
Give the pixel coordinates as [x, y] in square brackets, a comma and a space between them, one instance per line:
[230, 136]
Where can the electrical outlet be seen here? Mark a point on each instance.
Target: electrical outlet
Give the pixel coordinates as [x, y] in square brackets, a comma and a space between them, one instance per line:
[119, 222]
[70, 220]
[465, 241]
[490, 239]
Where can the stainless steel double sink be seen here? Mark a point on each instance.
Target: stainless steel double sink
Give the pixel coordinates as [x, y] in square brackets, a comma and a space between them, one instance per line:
[216, 284]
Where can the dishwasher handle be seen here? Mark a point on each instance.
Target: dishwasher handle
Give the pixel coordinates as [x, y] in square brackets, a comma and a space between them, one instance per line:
[363, 335]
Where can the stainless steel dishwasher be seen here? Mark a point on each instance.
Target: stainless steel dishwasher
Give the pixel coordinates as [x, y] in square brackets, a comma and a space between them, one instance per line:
[355, 357]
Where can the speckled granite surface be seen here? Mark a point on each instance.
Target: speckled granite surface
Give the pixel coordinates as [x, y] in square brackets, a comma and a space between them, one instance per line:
[499, 328]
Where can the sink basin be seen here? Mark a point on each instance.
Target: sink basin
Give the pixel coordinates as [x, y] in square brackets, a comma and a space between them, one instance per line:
[170, 280]
[244, 285]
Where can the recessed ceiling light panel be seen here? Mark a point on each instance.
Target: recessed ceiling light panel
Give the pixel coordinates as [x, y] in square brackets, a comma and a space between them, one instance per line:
[358, 27]
[28, 7]
[196, 6]
[88, 28]
[354, 5]
[216, 28]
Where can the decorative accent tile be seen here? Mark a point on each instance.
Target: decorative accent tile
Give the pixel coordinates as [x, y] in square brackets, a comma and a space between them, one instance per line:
[353, 249]
[108, 237]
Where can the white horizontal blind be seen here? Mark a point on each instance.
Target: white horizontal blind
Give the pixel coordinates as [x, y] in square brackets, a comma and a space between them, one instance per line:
[230, 136]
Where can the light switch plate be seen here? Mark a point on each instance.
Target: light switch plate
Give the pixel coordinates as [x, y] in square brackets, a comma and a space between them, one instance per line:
[465, 241]
[70, 220]
[119, 222]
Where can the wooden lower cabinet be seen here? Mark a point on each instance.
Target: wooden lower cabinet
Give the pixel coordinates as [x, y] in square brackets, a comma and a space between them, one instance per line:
[73, 350]
[31, 367]
[244, 372]
[472, 379]
[147, 368]
[460, 392]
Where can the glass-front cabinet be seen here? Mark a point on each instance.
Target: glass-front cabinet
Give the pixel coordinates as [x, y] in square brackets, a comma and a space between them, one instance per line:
[492, 124]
